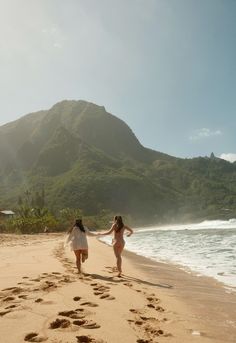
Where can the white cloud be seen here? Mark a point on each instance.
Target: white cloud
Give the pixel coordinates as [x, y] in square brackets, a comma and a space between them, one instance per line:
[228, 157]
[204, 133]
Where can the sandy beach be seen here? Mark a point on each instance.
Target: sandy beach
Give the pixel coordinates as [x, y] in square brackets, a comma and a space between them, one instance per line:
[42, 298]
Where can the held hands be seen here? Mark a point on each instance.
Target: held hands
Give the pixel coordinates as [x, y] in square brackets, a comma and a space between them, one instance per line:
[98, 234]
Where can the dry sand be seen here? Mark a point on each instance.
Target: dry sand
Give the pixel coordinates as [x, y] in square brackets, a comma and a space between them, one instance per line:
[42, 298]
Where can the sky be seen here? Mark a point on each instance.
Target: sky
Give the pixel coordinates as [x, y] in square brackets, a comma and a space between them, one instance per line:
[165, 67]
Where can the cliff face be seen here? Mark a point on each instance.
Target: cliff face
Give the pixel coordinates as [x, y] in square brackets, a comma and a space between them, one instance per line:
[71, 122]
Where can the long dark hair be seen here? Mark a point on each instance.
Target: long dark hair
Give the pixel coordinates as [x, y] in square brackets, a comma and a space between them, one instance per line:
[119, 223]
[78, 223]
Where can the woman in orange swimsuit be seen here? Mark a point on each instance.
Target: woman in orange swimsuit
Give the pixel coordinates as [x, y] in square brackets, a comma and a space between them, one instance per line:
[118, 241]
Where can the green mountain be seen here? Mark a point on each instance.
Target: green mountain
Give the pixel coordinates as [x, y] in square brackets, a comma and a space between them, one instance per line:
[87, 158]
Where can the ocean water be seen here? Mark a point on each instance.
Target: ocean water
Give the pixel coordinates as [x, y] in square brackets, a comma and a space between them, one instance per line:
[207, 248]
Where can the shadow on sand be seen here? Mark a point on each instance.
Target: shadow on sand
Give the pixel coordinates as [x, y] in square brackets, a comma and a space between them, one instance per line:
[126, 278]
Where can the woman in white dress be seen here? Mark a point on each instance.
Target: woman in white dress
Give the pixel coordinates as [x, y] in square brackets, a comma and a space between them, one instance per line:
[77, 241]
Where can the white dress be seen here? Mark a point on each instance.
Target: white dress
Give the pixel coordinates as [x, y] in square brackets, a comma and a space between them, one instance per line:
[77, 239]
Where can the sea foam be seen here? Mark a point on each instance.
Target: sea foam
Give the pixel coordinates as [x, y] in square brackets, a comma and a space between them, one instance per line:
[207, 248]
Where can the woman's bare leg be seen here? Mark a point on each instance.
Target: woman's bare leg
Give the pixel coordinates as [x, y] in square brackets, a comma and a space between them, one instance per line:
[84, 255]
[78, 260]
[118, 250]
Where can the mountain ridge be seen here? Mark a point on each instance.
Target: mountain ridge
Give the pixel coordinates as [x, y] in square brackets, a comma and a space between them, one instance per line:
[88, 158]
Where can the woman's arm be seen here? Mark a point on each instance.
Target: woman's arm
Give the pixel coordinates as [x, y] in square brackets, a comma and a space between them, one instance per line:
[70, 230]
[130, 231]
[91, 233]
[107, 232]
[69, 236]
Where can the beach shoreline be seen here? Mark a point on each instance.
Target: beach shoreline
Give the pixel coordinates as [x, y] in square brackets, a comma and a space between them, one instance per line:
[210, 303]
[153, 302]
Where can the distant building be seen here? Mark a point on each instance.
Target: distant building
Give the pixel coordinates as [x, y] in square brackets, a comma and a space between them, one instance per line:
[6, 213]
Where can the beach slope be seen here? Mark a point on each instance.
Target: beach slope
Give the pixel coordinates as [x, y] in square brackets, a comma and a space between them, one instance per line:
[42, 298]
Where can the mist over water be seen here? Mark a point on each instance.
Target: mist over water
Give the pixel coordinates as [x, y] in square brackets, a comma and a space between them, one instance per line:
[208, 248]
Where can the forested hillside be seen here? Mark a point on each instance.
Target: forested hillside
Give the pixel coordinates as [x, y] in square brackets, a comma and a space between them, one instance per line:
[83, 157]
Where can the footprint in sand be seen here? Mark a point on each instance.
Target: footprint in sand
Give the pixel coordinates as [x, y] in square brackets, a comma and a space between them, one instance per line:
[84, 339]
[34, 337]
[91, 325]
[147, 318]
[9, 289]
[129, 284]
[90, 304]
[158, 332]
[76, 298]
[142, 321]
[71, 314]
[7, 293]
[2, 313]
[79, 322]
[159, 309]
[18, 290]
[153, 331]
[107, 297]
[66, 279]
[148, 325]
[133, 310]
[86, 324]
[36, 280]
[11, 306]
[39, 300]
[153, 299]
[59, 323]
[102, 291]
[48, 285]
[8, 299]
[23, 296]
[101, 288]
[88, 339]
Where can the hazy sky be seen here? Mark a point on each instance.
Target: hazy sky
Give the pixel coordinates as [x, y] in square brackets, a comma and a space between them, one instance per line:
[166, 67]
